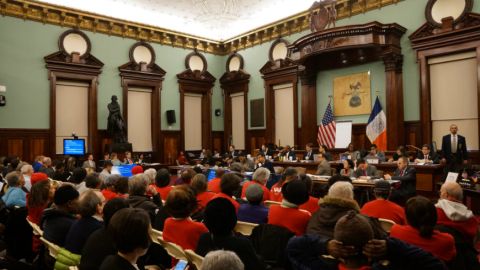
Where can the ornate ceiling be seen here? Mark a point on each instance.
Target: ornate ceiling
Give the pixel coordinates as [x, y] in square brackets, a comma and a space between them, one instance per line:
[217, 20]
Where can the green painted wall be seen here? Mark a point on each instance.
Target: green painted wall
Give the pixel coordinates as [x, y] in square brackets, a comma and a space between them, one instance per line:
[23, 44]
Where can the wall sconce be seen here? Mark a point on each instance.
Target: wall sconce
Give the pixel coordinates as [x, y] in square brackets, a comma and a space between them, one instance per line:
[343, 58]
[361, 55]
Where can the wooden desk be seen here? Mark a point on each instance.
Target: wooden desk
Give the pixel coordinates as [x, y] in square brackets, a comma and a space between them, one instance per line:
[427, 175]
[471, 198]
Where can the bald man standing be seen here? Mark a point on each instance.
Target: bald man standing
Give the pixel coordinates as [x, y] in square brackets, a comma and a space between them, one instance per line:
[454, 149]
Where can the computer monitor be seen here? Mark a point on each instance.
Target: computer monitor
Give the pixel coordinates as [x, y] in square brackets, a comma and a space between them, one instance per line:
[74, 147]
[211, 174]
[123, 170]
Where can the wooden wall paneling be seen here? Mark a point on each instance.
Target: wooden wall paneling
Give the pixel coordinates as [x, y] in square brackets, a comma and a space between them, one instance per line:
[25, 143]
[359, 136]
[218, 142]
[413, 133]
[15, 147]
[394, 99]
[308, 132]
[255, 139]
[171, 145]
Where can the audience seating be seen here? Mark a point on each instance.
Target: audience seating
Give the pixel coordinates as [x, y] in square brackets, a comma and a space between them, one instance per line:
[173, 250]
[386, 224]
[73, 268]
[36, 228]
[155, 235]
[194, 258]
[52, 248]
[245, 228]
[268, 203]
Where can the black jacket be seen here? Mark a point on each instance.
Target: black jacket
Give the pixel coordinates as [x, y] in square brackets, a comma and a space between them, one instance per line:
[56, 224]
[147, 204]
[116, 262]
[408, 182]
[461, 154]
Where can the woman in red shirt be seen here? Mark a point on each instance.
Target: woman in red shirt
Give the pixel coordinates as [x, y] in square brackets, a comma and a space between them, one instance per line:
[288, 215]
[199, 185]
[421, 218]
[260, 177]
[276, 190]
[312, 204]
[180, 228]
[162, 183]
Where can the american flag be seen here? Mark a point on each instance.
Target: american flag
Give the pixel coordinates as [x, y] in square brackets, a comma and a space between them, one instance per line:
[326, 131]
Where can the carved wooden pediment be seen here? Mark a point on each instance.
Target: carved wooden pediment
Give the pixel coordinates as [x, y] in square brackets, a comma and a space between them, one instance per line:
[62, 61]
[196, 75]
[234, 76]
[281, 64]
[133, 69]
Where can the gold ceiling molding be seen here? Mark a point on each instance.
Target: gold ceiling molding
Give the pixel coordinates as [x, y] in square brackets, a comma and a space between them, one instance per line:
[53, 14]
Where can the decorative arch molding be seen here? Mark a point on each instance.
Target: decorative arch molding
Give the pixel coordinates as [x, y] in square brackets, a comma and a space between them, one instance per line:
[79, 67]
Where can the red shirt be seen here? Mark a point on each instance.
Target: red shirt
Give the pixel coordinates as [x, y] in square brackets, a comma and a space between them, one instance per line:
[108, 194]
[266, 192]
[466, 227]
[380, 208]
[441, 245]
[311, 205]
[214, 185]
[295, 220]
[203, 198]
[223, 195]
[183, 232]
[276, 192]
[163, 191]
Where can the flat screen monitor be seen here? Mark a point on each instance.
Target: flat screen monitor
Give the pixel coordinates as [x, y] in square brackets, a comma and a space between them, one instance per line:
[123, 170]
[211, 174]
[74, 147]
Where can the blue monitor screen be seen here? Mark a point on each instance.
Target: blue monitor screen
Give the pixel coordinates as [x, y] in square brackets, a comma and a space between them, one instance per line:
[123, 170]
[211, 174]
[74, 147]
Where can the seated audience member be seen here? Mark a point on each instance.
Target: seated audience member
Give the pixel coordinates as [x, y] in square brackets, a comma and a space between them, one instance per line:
[107, 170]
[130, 230]
[137, 190]
[260, 178]
[288, 153]
[262, 162]
[452, 213]
[421, 219]
[427, 157]
[351, 153]
[381, 207]
[100, 244]
[355, 247]
[407, 176]
[92, 181]
[348, 168]
[208, 158]
[336, 204]
[220, 219]
[60, 174]
[70, 164]
[78, 176]
[37, 163]
[214, 184]
[137, 169]
[47, 167]
[365, 170]
[323, 149]
[312, 204]
[151, 174]
[375, 154]
[199, 186]
[181, 159]
[121, 187]
[276, 191]
[236, 167]
[287, 214]
[108, 190]
[27, 171]
[254, 211]
[57, 220]
[128, 158]
[89, 163]
[247, 164]
[162, 183]
[180, 228]
[185, 178]
[400, 152]
[323, 165]
[114, 159]
[308, 152]
[229, 185]
[140, 159]
[90, 208]
[15, 196]
[338, 178]
[222, 259]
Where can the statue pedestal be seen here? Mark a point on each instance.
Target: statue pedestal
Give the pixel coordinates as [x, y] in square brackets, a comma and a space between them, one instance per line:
[118, 147]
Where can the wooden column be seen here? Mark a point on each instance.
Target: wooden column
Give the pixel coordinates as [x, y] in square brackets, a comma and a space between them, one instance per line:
[309, 128]
[394, 97]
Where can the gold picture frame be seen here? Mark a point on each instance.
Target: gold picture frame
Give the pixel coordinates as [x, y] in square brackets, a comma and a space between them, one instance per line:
[352, 94]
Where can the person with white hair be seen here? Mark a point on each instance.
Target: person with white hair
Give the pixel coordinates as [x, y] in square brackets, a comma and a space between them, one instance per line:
[47, 167]
[27, 171]
[260, 177]
[336, 204]
[452, 213]
[137, 190]
[150, 173]
[222, 259]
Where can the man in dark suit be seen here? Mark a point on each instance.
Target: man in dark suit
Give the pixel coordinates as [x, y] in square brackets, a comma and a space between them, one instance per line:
[288, 153]
[407, 176]
[365, 170]
[262, 162]
[308, 152]
[426, 156]
[454, 149]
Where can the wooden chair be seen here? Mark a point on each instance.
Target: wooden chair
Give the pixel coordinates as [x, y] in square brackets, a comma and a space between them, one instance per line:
[173, 250]
[269, 203]
[72, 268]
[155, 234]
[386, 224]
[52, 248]
[194, 258]
[245, 228]
[36, 228]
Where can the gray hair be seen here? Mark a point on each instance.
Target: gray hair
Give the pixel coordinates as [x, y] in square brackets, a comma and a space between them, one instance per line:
[137, 184]
[236, 167]
[261, 175]
[89, 200]
[342, 190]
[453, 189]
[13, 178]
[25, 169]
[222, 259]
[47, 161]
[150, 173]
[111, 179]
